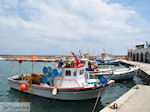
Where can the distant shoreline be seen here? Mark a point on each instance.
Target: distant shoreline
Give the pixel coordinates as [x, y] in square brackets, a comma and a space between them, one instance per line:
[38, 56]
[54, 56]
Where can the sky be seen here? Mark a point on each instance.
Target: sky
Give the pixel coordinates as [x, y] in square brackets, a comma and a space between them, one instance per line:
[57, 27]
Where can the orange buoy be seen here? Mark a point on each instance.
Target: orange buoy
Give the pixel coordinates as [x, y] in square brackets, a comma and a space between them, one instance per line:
[23, 87]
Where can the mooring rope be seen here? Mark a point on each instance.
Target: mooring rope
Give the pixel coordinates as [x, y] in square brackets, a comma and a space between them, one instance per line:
[96, 102]
[14, 67]
[39, 65]
[29, 80]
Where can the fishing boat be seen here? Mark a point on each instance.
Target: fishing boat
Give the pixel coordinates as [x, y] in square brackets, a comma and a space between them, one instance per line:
[67, 81]
[108, 62]
[107, 59]
[117, 73]
[2, 59]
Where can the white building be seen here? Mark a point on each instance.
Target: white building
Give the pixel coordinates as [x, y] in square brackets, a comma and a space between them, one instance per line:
[141, 53]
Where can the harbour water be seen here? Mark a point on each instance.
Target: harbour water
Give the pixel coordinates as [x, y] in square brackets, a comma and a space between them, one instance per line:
[40, 104]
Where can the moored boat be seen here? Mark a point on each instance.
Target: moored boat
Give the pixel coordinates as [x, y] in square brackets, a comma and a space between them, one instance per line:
[2, 59]
[117, 73]
[67, 81]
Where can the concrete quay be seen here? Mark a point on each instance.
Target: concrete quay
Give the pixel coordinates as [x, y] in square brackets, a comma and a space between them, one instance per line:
[135, 100]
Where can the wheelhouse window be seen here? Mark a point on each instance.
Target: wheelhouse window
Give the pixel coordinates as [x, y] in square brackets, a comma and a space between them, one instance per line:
[81, 72]
[82, 62]
[74, 73]
[68, 73]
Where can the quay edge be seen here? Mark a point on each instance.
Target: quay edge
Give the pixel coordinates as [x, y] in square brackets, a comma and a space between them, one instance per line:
[135, 100]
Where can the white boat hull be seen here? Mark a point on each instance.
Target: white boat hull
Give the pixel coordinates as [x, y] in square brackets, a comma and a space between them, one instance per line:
[81, 94]
[118, 74]
[124, 75]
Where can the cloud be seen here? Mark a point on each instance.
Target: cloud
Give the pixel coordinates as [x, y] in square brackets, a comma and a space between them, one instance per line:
[57, 27]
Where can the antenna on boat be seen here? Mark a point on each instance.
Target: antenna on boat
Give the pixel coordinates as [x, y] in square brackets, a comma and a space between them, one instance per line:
[81, 55]
[103, 54]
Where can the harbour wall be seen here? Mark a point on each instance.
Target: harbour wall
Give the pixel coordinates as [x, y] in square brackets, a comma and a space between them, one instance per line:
[135, 100]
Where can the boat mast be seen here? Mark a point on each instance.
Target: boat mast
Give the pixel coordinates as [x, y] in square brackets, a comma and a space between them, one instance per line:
[20, 61]
[78, 62]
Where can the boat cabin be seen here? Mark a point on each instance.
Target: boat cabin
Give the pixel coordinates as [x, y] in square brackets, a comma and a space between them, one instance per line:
[73, 76]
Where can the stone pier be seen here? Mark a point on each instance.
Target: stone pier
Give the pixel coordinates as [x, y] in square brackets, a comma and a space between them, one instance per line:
[135, 100]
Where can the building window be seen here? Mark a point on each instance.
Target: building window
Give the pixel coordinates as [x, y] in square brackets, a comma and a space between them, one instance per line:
[68, 73]
[81, 72]
[74, 73]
